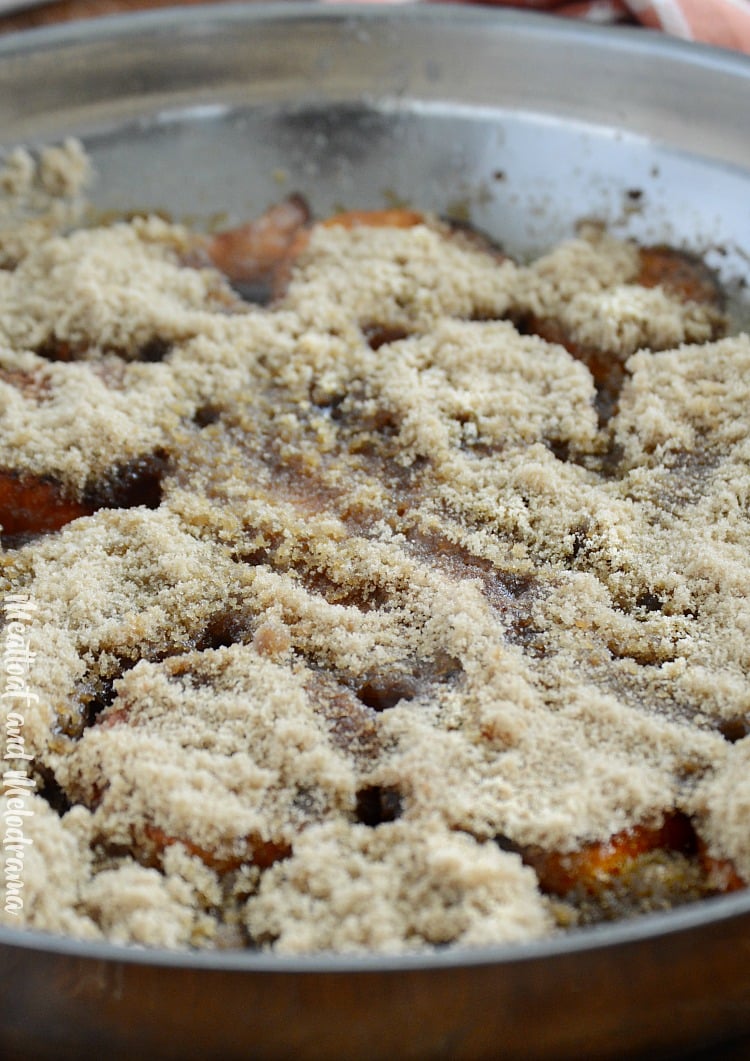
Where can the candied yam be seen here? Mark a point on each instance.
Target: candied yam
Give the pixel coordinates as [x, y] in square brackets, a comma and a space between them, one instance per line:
[258, 852]
[607, 370]
[395, 217]
[283, 269]
[406, 594]
[32, 505]
[263, 251]
[593, 866]
[680, 273]
[349, 219]
[251, 252]
[594, 869]
[722, 874]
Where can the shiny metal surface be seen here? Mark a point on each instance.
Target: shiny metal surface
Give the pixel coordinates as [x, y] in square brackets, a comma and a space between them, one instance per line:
[525, 125]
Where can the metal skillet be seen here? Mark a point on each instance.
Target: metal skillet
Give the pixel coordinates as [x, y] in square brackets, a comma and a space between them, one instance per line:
[524, 125]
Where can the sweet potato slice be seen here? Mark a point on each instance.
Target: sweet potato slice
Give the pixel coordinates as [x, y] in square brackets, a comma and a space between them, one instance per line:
[395, 217]
[257, 257]
[594, 866]
[251, 253]
[721, 873]
[680, 273]
[258, 852]
[34, 505]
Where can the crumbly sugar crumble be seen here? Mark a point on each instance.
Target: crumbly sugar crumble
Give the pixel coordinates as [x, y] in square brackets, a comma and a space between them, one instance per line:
[342, 633]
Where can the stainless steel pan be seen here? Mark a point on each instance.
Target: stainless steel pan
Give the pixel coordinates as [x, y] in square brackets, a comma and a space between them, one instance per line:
[524, 125]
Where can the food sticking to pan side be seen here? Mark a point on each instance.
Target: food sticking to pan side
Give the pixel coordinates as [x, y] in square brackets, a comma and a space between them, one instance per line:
[377, 591]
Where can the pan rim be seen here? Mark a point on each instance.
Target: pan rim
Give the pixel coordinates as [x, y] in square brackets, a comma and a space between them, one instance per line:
[179, 22]
[702, 914]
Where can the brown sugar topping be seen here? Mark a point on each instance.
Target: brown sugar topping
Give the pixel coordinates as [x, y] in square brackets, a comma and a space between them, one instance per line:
[409, 608]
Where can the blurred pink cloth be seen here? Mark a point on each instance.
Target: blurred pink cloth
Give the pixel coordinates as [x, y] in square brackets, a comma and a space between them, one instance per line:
[719, 22]
[725, 23]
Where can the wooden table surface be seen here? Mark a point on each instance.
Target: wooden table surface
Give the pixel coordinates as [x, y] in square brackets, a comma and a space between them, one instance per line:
[69, 10]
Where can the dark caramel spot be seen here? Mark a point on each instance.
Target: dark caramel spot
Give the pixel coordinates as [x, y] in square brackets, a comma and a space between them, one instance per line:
[376, 805]
[137, 482]
[560, 448]
[53, 349]
[384, 691]
[61, 350]
[89, 700]
[381, 690]
[51, 791]
[506, 844]
[223, 630]
[378, 335]
[154, 350]
[650, 602]
[735, 729]
[206, 415]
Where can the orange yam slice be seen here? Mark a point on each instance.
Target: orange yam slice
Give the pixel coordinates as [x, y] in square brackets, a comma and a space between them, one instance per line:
[33, 505]
[594, 866]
